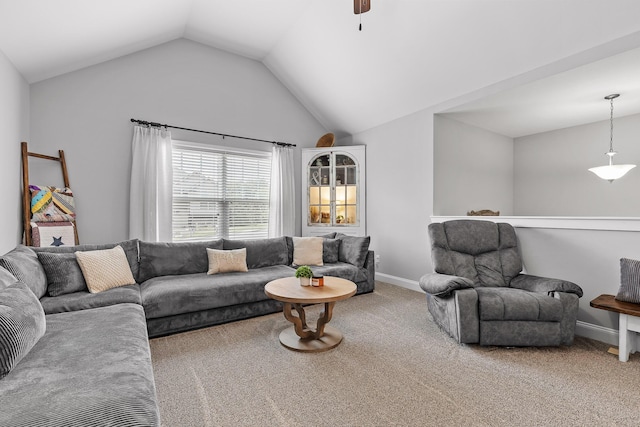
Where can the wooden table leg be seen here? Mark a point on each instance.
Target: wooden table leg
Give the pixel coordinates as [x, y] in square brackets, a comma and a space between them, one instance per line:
[301, 338]
[299, 322]
[324, 318]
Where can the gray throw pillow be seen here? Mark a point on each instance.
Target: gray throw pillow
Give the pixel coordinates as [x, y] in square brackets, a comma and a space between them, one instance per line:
[130, 249]
[629, 281]
[23, 263]
[330, 251]
[353, 249]
[64, 275]
[22, 324]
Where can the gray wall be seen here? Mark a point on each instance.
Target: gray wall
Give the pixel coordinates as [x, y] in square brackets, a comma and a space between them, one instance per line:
[182, 83]
[590, 258]
[473, 169]
[400, 193]
[551, 176]
[14, 128]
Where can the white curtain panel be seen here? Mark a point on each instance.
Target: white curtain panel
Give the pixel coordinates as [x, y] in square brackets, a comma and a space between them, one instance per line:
[282, 209]
[151, 185]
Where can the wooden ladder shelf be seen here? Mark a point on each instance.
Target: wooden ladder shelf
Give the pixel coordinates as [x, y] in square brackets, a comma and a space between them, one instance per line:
[26, 193]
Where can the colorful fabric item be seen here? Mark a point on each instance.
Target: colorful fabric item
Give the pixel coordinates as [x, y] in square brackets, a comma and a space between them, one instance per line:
[52, 234]
[51, 204]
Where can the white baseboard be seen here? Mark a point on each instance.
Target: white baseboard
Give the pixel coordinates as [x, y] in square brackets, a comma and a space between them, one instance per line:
[399, 281]
[583, 329]
[596, 332]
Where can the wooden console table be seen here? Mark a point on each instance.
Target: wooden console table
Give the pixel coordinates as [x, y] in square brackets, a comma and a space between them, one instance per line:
[629, 322]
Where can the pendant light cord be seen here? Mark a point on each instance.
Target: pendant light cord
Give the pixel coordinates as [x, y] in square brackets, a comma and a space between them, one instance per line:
[611, 122]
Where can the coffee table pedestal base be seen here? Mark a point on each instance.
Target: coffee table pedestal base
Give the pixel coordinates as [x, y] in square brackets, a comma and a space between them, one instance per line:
[330, 339]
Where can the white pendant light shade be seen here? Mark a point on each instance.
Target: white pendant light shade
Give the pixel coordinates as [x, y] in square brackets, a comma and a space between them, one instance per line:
[611, 172]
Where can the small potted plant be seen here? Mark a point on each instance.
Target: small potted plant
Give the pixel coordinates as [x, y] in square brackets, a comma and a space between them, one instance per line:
[305, 274]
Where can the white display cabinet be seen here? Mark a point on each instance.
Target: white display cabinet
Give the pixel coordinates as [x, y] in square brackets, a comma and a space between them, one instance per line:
[333, 190]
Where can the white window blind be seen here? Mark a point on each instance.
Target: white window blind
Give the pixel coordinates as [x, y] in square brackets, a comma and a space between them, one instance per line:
[219, 193]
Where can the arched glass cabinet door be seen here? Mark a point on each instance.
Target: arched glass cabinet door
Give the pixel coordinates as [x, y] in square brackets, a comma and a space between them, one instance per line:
[333, 194]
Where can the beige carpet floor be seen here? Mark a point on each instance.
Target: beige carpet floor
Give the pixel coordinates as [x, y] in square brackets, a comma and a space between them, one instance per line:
[394, 367]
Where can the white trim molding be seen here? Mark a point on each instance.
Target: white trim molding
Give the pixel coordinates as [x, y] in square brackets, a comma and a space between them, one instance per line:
[596, 332]
[568, 223]
[399, 281]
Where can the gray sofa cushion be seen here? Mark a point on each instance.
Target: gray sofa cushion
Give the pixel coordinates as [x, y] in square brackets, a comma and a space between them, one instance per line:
[22, 324]
[170, 295]
[162, 259]
[6, 278]
[23, 263]
[84, 299]
[515, 304]
[130, 248]
[482, 251]
[344, 270]
[262, 252]
[64, 275]
[330, 250]
[92, 367]
[353, 249]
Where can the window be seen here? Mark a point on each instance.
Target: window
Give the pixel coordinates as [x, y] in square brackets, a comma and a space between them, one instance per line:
[218, 192]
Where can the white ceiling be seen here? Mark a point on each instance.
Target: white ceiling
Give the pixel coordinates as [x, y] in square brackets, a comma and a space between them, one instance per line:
[410, 55]
[570, 98]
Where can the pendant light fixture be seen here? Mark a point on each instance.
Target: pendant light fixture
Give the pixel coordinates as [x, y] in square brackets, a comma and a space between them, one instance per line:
[611, 172]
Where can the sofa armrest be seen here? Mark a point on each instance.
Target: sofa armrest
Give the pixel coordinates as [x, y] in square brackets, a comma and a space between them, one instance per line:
[531, 283]
[443, 284]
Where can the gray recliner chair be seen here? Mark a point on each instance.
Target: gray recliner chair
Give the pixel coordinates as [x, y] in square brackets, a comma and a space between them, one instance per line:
[479, 295]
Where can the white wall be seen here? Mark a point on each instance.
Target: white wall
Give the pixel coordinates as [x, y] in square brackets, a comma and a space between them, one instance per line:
[14, 128]
[181, 83]
[473, 169]
[551, 176]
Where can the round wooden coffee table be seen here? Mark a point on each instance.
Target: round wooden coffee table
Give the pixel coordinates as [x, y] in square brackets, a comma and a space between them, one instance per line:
[300, 337]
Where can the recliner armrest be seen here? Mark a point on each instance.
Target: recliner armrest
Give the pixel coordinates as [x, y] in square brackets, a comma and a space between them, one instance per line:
[443, 284]
[531, 283]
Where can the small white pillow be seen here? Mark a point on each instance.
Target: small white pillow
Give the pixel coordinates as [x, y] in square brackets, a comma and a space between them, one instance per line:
[105, 269]
[307, 250]
[225, 261]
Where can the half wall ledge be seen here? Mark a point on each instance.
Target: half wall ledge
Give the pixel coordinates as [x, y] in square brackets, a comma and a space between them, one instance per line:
[562, 222]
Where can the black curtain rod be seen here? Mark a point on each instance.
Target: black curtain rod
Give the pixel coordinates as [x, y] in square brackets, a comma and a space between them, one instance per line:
[143, 122]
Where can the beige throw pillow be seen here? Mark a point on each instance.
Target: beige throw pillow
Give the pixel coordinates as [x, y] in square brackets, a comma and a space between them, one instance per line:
[307, 250]
[105, 269]
[221, 261]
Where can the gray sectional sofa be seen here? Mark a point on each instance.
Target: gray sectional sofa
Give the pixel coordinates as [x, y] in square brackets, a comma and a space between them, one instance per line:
[92, 364]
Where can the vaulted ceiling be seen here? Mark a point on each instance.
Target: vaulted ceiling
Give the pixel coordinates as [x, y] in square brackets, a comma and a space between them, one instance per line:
[410, 54]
